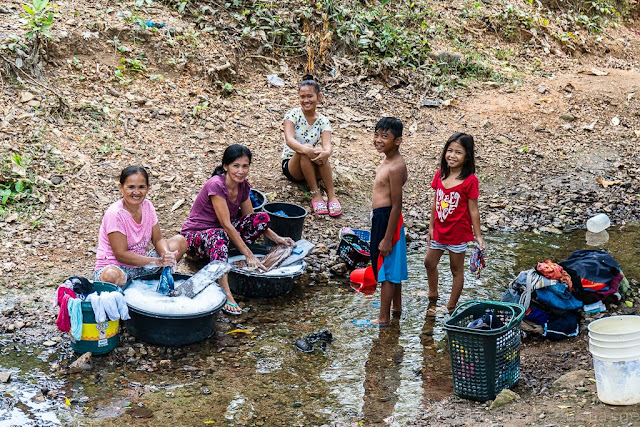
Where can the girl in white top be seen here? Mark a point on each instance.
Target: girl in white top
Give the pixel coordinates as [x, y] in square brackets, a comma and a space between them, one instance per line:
[307, 147]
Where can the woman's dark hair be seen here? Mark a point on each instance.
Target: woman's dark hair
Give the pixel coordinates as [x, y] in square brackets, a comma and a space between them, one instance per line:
[309, 80]
[133, 170]
[232, 153]
[469, 165]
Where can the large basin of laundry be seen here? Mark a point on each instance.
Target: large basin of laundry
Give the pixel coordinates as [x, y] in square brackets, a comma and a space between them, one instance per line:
[278, 281]
[171, 321]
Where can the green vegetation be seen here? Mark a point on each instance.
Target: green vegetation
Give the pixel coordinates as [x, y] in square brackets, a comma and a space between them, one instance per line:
[38, 19]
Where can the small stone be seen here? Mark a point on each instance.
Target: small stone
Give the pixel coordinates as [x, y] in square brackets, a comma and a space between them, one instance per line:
[82, 363]
[25, 97]
[505, 397]
[567, 117]
[49, 343]
[570, 380]
[5, 377]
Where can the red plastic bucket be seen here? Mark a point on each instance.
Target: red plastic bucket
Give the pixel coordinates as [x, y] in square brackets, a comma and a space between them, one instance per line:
[363, 277]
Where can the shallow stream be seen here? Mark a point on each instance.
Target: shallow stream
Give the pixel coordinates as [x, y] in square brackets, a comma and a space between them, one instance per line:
[251, 373]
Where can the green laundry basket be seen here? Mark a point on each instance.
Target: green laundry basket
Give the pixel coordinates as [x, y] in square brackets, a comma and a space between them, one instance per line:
[484, 362]
[97, 338]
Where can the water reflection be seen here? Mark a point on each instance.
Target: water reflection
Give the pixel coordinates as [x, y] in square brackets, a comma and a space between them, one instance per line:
[382, 376]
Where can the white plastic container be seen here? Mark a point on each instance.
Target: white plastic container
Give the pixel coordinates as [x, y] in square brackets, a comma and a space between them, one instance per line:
[615, 328]
[614, 343]
[617, 381]
[597, 223]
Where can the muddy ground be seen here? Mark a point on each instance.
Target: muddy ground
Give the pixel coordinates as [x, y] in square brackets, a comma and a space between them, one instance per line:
[554, 146]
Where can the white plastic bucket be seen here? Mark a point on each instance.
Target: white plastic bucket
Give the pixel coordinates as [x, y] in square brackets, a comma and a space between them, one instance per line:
[614, 343]
[615, 328]
[614, 353]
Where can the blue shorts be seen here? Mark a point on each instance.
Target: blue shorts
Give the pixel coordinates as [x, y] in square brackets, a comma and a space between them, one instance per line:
[393, 267]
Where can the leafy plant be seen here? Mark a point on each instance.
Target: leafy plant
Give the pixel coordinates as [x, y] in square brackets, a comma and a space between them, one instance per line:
[199, 108]
[38, 19]
[14, 184]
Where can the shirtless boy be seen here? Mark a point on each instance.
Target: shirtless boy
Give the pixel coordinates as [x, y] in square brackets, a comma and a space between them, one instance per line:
[388, 245]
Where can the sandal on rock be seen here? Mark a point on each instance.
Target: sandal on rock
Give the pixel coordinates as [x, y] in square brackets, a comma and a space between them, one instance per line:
[335, 209]
[232, 305]
[320, 207]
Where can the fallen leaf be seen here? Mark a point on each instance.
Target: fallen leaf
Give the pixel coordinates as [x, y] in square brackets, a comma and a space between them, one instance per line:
[239, 331]
[605, 183]
[177, 204]
[67, 401]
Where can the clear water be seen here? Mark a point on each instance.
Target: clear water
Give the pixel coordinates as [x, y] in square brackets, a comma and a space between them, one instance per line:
[252, 374]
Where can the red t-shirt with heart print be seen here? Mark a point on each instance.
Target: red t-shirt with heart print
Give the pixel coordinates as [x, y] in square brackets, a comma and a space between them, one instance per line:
[452, 224]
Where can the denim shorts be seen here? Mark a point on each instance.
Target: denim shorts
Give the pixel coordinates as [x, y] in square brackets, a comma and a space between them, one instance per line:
[456, 249]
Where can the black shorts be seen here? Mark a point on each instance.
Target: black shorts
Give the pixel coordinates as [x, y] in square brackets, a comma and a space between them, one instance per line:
[285, 171]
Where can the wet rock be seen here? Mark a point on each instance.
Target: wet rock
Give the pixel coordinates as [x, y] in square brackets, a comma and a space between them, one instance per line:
[570, 380]
[549, 229]
[320, 249]
[505, 397]
[5, 377]
[339, 269]
[139, 412]
[82, 363]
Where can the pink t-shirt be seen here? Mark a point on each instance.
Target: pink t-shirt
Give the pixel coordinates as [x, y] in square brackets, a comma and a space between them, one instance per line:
[117, 218]
[202, 215]
[452, 224]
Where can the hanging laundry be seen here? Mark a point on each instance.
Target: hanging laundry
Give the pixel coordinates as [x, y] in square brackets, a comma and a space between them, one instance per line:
[75, 316]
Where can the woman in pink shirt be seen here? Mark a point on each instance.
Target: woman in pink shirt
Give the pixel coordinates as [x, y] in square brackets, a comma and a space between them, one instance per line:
[127, 228]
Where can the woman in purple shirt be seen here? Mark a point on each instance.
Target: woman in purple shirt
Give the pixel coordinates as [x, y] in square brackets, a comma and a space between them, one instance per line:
[222, 213]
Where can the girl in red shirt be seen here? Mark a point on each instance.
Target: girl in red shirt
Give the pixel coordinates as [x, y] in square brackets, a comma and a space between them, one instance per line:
[455, 219]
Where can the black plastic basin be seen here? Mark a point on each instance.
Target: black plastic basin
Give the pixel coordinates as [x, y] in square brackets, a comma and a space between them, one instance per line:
[170, 330]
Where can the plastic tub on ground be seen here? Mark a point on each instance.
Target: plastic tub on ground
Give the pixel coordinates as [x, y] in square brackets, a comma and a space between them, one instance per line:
[614, 344]
[97, 338]
[172, 329]
[290, 225]
[258, 199]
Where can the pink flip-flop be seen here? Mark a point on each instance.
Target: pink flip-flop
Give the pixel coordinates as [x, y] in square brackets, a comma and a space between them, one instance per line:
[320, 208]
[335, 209]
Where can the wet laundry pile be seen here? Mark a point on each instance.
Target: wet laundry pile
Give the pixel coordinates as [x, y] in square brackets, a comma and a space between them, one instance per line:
[555, 294]
[69, 297]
